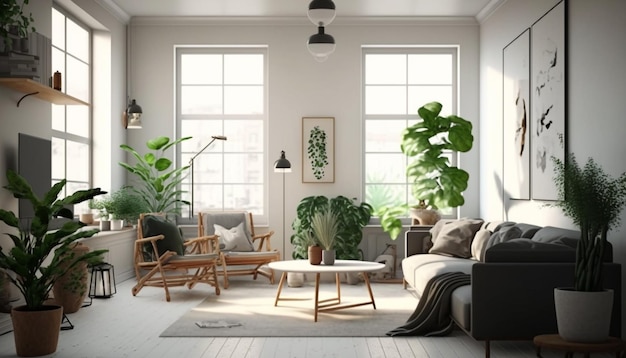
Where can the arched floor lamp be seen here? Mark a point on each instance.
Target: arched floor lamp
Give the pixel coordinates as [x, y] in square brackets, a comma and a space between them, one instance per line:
[282, 165]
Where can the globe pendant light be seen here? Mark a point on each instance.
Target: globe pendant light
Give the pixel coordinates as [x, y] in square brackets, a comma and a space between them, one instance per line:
[321, 12]
[321, 45]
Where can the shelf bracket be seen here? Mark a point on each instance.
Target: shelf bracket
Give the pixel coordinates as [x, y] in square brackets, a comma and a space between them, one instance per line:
[24, 96]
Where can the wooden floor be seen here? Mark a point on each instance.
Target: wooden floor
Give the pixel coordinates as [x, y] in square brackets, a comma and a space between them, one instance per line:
[127, 326]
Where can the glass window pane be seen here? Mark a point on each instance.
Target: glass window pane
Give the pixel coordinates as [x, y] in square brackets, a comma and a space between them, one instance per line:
[244, 135]
[77, 41]
[243, 100]
[78, 120]
[430, 69]
[78, 155]
[244, 197]
[77, 79]
[201, 100]
[201, 69]
[207, 167]
[58, 158]
[58, 29]
[385, 69]
[385, 168]
[58, 64]
[207, 197]
[243, 168]
[385, 100]
[420, 95]
[243, 69]
[201, 132]
[58, 117]
[383, 135]
[385, 195]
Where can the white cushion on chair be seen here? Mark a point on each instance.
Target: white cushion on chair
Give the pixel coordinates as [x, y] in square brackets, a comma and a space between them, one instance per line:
[233, 239]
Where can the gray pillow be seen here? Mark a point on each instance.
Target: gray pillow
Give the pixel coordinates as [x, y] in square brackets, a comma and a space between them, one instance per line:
[504, 234]
[233, 239]
[550, 234]
[455, 238]
[228, 220]
[526, 250]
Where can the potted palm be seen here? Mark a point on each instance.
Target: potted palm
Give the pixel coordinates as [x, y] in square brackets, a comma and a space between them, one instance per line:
[36, 324]
[325, 228]
[594, 201]
[159, 183]
[436, 183]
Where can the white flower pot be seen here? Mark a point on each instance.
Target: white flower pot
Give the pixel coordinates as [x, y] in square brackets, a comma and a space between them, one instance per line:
[583, 316]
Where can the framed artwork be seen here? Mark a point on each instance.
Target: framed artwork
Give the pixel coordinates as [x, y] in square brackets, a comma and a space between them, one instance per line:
[548, 100]
[516, 116]
[318, 149]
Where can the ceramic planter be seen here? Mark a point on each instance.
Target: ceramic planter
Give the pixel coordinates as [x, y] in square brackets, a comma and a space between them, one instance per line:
[583, 316]
[328, 257]
[36, 333]
[315, 255]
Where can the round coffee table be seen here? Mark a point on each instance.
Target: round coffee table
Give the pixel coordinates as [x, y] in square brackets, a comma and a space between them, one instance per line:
[340, 266]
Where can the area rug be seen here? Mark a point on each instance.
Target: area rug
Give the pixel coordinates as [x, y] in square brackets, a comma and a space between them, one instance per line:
[246, 309]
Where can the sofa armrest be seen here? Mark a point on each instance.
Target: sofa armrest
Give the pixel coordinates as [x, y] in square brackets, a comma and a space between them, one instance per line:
[515, 301]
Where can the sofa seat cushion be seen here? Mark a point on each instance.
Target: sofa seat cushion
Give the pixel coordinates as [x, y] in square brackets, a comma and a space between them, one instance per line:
[461, 306]
[419, 269]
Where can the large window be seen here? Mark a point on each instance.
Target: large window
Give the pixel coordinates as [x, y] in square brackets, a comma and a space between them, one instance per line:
[222, 91]
[396, 82]
[71, 125]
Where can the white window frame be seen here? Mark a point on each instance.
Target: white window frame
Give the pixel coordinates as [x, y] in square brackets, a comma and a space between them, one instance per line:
[409, 117]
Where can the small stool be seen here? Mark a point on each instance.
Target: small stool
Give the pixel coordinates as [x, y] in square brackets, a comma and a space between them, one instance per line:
[554, 341]
[102, 281]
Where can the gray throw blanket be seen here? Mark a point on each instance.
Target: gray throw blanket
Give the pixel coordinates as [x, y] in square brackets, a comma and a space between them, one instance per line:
[432, 315]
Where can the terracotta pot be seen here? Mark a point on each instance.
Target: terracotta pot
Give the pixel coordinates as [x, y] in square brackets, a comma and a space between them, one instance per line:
[36, 333]
[315, 255]
[70, 289]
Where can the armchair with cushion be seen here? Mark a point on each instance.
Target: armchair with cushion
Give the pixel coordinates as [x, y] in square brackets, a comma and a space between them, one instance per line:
[242, 252]
[163, 259]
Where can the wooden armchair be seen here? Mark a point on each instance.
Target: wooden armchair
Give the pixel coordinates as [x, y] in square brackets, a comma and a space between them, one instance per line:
[242, 252]
[163, 259]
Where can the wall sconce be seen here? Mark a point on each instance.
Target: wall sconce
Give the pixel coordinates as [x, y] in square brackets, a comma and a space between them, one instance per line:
[132, 116]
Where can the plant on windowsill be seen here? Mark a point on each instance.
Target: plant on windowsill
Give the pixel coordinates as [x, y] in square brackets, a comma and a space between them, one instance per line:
[594, 201]
[436, 184]
[158, 182]
[124, 204]
[14, 24]
[34, 242]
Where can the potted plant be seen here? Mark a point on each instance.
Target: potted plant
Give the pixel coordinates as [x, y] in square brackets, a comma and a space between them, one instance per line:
[36, 325]
[325, 228]
[594, 201]
[5, 293]
[70, 289]
[351, 219]
[14, 24]
[158, 183]
[126, 206]
[103, 215]
[436, 184]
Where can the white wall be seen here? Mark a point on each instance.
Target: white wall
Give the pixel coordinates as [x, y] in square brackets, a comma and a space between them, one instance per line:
[298, 86]
[596, 84]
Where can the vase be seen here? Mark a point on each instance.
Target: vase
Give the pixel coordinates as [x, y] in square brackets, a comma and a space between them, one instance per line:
[315, 255]
[328, 257]
[105, 225]
[36, 333]
[86, 218]
[117, 224]
[583, 317]
[424, 216]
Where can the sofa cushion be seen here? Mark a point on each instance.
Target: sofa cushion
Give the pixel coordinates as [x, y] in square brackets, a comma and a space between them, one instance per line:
[527, 250]
[419, 269]
[455, 238]
[479, 244]
[550, 234]
[461, 306]
[154, 225]
[504, 234]
[233, 239]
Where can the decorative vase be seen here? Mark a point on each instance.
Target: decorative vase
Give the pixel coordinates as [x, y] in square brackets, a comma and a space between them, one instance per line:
[117, 224]
[295, 279]
[328, 257]
[424, 216]
[315, 255]
[36, 333]
[105, 225]
[583, 316]
[70, 289]
[86, 218]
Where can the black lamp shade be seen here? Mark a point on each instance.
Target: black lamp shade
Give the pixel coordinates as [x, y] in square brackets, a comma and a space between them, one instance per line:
[321, 44]
[321, 12]
[282, 165]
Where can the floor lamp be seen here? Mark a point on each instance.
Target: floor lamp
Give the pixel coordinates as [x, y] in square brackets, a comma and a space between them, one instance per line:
[282, 165]
[215, 137]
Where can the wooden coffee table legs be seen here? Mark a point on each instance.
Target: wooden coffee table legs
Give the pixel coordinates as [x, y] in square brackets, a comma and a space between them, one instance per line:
[330, 304]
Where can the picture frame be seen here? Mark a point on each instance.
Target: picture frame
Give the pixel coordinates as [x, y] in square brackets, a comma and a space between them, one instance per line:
[516, 116]
[548, 101]
[318, 149]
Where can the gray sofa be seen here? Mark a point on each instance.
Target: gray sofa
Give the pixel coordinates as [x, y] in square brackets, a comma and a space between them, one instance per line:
[514, 269]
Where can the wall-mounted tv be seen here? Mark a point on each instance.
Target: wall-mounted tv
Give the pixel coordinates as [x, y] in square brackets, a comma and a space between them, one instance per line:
[34, 163]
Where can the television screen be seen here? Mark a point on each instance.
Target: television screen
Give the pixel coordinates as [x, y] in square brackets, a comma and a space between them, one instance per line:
[35, 165]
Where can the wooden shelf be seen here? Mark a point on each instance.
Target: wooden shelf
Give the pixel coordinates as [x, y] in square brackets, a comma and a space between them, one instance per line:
[31, 88]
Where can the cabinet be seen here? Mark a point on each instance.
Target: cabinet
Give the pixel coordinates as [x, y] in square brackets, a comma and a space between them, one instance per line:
[415, 239]
[32, 88]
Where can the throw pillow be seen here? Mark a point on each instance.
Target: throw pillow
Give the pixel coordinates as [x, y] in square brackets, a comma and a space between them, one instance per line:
[233, 239]
[455, 238]
[156, 225]
[479, 244]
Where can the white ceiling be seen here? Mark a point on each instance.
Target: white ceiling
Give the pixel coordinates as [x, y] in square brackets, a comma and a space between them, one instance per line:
[296, 8]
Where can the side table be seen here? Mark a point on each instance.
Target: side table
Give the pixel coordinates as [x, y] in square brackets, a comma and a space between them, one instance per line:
[554, 341]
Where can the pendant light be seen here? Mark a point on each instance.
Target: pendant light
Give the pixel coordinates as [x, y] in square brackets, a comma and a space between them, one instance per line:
[321, 12]
[321, 45]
